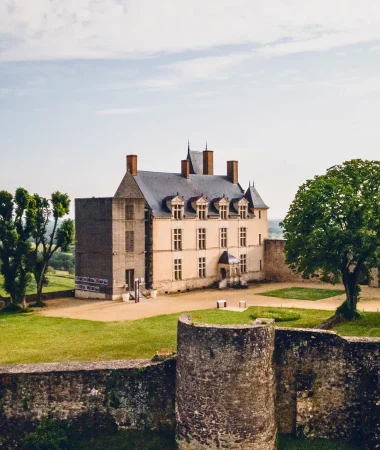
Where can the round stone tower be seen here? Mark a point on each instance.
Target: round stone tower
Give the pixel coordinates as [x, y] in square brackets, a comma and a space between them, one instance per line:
[225, 386]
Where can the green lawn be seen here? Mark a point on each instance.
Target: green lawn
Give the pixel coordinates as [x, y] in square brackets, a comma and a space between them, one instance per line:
[30, 338]
[56, 283]
[51, 339]
[300, 293]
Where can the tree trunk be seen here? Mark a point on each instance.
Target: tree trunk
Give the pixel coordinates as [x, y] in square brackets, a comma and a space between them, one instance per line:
[351, 286]
[39, 280]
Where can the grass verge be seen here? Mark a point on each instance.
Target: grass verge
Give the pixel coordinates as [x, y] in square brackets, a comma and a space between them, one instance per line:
[56, 283]
[300, 293]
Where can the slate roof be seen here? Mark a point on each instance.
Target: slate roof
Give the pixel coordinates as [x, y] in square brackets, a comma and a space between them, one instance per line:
[158, 186]
[227, 258]
[255, 201]
[196, 162]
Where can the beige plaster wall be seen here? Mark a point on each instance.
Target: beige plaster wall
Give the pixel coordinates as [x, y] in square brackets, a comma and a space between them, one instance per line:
[163, 255]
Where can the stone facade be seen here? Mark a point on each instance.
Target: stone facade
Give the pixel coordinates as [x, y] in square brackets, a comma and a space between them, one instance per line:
[101, 258]
[276, 268]
[127, 394]
[328, 386]
[225, 387]
[325, 386]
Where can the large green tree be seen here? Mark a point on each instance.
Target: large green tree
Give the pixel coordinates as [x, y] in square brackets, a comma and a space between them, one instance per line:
[50, 235]
[17, 223]
[333, 227]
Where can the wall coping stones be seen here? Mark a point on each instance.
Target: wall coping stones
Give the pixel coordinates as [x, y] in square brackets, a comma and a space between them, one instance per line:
[78, 366]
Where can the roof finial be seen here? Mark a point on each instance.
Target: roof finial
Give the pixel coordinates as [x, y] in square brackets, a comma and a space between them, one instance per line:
[206, 145]
[249, 184]
[253, 183]
[188, 145]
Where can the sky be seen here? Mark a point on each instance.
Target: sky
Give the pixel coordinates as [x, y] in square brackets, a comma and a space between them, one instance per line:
[289, 88]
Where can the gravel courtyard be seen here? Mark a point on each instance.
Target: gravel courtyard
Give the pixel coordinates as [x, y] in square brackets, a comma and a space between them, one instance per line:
[108, 311]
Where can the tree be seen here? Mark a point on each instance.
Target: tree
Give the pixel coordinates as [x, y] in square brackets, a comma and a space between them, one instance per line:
[333, 227]
[48, 242]
[17, 223]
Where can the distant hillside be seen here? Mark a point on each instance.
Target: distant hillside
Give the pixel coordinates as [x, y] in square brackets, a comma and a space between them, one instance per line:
[274, 229]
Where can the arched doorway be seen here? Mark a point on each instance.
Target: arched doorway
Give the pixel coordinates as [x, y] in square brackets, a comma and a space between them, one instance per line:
[223, 273]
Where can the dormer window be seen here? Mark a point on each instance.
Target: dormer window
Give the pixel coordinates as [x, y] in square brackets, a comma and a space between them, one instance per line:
[202, 212]
[200, 206]
[243, 211]
[176, 205]
[222, 205]
[177, 212]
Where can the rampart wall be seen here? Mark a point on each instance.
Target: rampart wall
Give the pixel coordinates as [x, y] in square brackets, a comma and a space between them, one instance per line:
[125, 394]
[325, 386]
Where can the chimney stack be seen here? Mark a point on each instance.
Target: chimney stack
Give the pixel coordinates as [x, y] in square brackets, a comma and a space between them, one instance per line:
[132, 164]
[185, 168]
[232, 171]
[208, 162]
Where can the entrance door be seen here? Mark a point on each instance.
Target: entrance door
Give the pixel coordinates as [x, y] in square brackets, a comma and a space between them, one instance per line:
[130, 279]
[223, 273]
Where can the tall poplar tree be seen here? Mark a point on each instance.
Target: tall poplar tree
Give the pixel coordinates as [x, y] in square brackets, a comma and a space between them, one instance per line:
[17, 224]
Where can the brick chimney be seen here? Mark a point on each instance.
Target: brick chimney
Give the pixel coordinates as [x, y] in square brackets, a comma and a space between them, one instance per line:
[232, 171]
[132, 164]
[208, 162]
[185, 168]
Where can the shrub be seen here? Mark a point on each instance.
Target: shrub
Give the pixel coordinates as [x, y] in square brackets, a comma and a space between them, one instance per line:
[49, 435]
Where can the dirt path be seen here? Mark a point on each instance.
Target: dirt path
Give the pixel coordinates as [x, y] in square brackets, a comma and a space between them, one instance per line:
[107, 311]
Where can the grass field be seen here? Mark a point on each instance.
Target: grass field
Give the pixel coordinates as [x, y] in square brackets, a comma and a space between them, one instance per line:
[30, 338]
[56, 283]
[300, 293]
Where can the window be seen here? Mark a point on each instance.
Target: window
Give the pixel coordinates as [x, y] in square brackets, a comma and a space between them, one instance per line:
[202, 212]
[243, 211]
[129, 241]
[129, 212]
[177, 239]
[223, 237]
[178, 269]
[223, 212]
[243, 263]
[259, 214]
[177, 212]
[259, 239]
[243, 237]
[201, 238]
[261, 265]
[201, 267]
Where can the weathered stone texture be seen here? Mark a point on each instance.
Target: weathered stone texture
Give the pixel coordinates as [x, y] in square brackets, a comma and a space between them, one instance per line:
[130, 394]
[100, 242]
[328, 386]
[275, 267]
[225, 386]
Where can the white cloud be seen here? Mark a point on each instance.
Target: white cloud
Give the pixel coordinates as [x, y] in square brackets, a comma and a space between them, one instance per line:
[56, 29]
[196, 69]
[120, 111]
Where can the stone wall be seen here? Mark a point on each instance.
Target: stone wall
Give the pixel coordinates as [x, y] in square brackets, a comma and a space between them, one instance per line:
[328, 386]
[100, 252]
[225, 386]
[325, 386]
[274, 262]
[127, 394]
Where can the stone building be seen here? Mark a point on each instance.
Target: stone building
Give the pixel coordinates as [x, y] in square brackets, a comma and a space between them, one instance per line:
[174, 231]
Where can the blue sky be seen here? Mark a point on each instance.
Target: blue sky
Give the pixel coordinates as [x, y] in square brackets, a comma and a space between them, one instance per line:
[289, 88]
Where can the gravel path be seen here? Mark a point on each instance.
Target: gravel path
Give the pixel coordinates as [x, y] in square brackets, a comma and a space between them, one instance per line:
[107, 311]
